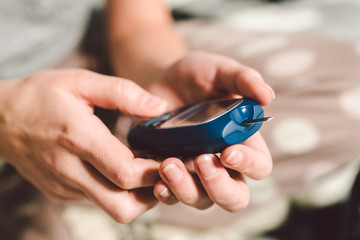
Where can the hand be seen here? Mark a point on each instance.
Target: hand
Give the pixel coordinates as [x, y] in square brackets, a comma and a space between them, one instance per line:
[51, 136]
[201, 76]
[208, 178]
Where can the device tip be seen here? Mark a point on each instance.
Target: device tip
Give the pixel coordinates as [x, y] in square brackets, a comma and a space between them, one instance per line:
[253, 121]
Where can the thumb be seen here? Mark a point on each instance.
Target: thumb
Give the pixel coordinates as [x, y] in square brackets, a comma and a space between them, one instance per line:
[118, 93]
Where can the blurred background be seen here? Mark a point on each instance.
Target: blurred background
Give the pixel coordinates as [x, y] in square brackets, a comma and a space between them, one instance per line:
[309, 52]
[335, 18]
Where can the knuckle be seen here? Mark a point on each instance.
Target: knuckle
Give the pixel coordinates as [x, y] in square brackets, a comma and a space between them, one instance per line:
[233, 203]
[124, 214]
[69, 136]
[123, 87]
[190, 199]
[123, 218]
[117, 87]
[60, 170]
[125, 178]
[127, 92]
[65, 172]
[238, 206]
[265, 171]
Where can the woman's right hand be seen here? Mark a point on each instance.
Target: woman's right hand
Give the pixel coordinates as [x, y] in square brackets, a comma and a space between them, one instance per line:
[50, 134]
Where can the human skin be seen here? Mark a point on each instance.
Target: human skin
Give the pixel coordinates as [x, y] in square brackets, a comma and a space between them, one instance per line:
[50, 134]
[145, 48]
[200, 76]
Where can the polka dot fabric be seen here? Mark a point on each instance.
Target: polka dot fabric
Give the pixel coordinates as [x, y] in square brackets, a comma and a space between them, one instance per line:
[315, 135]
[309, 52]
[317, 105]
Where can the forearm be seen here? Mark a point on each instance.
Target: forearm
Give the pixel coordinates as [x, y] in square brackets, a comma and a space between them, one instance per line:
[142, 40]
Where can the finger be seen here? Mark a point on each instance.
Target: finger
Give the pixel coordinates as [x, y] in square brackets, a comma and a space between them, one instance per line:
[122, 205]
[108, 155]
[164, 194]
[229, 192]
[236, 78]
[117, 93]
[182, 184]
[251, 158]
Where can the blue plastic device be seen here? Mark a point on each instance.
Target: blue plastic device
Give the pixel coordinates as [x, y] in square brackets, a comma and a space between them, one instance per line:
[207, 127]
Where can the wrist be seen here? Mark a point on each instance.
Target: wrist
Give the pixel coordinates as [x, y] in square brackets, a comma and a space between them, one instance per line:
[144, 58]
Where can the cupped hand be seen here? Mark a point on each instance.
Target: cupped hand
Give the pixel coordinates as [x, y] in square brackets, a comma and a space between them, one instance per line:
[50, 134]
[201, 76]
[209, 178]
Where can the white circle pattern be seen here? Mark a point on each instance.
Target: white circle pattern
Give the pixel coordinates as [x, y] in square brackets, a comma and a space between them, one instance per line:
[357, 48]
[290, 62]
[349, 101]
[262, 45]
[295, 136]
[275, 19]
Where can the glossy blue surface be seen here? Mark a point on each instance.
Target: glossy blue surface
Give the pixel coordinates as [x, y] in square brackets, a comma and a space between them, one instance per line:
[211, 136]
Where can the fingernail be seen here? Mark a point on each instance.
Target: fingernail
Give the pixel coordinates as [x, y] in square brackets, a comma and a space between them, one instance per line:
[207, 166]
[234, 158]
[165, 193]
[271, 91]
[155, 102]
[172, 173]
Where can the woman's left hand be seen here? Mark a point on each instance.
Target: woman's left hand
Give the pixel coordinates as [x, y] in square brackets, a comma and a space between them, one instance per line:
[208, 178]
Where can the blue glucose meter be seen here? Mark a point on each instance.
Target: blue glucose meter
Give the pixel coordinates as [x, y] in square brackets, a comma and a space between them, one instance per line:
[207, 127]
